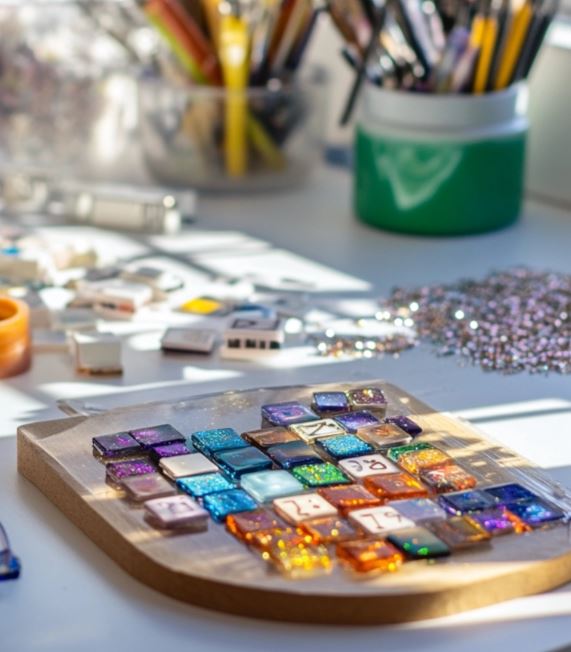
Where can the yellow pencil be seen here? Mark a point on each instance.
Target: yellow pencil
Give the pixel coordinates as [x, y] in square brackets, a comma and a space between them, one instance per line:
[488, 44]
[212, 14]
[514, 44]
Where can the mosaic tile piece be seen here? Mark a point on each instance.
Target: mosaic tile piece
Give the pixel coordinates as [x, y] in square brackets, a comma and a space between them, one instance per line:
[140, 488]
[368, 398]
[293, 454]
[448, 478]
[344, 446]
[362, 467]
[328, 403]
[286, 414]
[405, 423]
[119, 444]
[419, 543]
[314, 430]
[300, 562]
[182, 466]
[266, 486]
[245, 524]
[169, 450]
[395, 453]
[510, 493]
[464, 502]
[395, 486]
[378, 521]
[115, 472]
[419, 509]
[270, 437]
[384, 436]
[499, 521]
[320, 475]
[236, 463]
[216, 440]
[459, 532]
[281, 536]
[355, 421]
[418, 461]
[222, 504]
[330, 530]
[202, 485]
[370, 556]
[536, 512]
[349, 497]
[296, 509]
[176, 513]
[157, 435]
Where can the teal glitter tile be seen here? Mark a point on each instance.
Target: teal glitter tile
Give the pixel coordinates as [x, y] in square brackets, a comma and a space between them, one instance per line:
[418, 543]
[267, 485]
[320, 475]
[199, 486]
[394, 453]
[536, 512]
[236, 463]
[210, 442]
[344, 446]
[223, 504]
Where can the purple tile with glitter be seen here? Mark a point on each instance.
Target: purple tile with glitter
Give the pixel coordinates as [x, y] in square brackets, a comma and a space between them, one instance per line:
[157, 435]
[284, 414]
[495, 521]
[464, 502]
[510, 493]
[367, 398]
[327, 403]
[116, 471]
[170, 450]
[536, 512]
[405, 423]
[353, 421]
[117, 445]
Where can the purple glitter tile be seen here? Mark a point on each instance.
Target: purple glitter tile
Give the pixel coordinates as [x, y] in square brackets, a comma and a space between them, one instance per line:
[405, 423]
[495, 521]
[117, 445]
[284, 414]
[368, 398]
[116, 471]
[327, 403]
[353, 421]
[170, 450]
[157, 435]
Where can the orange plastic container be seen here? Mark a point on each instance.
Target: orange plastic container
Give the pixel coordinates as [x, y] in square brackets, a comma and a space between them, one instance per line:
[15, 355]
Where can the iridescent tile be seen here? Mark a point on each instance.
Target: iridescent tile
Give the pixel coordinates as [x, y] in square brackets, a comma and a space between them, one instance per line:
[362, 467]
[293, 454]
[395, 486]
[182, 466]
[349, 497]
[199, 486]
[115, 472]
[384, 436]
[369, 556]
[355, 421]
[119, 444]
[169, 450]
[245, 524]
[157, 435]
[378, 521]
[296, 509]
[217, 440]
[419, 509]
[459, 532]
[285, 414]
[464, 502]
[395, 453]
[536, 512]
[419, 543]
[418, 461]
[222, 504]
[266, 486]
[146, 487]
[368, 398]
[328, 403]
[320, 475]
[314, 430]
[176, 513]
[344, 446]
[270, 437]
[236, 463]
[510, 493]
[330, 530]
[448, 478]
[499, 521]
[300, 562]
[405, 423]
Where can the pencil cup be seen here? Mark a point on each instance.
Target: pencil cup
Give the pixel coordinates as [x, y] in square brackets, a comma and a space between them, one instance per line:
[215, 139]
[440, 164]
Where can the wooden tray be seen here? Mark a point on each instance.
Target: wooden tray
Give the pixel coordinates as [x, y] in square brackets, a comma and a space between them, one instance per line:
[214, 570]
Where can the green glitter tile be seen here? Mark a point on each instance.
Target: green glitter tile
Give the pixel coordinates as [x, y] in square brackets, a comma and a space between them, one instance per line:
[199, 486]
[320, 475]
[394, 453]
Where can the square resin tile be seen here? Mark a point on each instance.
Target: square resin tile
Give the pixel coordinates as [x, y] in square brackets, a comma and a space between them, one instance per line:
[395, 486]
[368, 398]
[118, 445]
[379, 520]
[186, 465]
[175, 513]
[314, 430]
[419, 509]
[344, 446]
[327, 403]
[370, 556]
[293, 454]
[419, 543]
[510, 493]
[238, 462]
[146, 487]
[199, 486]
[536, 512]
[282, 536]
[270, 437]
[354, 421]
[395, 453]
[319, 475]
[418, 461]
[304, 507]
[157, 435]
[285, 414]
[405, 423]
[222, 504]
[330, 530]
[384, 435]
[349, 497]
[244, 524]
[464, 502]
[448, 478]
[362, 467]
[459, 532]
[265, 486]
[115, 472]
[499, 521]
[169, 450]
[214, 441]
[300, 562]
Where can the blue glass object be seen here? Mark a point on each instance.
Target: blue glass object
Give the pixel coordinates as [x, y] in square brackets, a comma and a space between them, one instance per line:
[115, 445]
[293, 454]
[353, 421]
[463, 502]
[327, 403]
[510, 493]
[419, 509]
[536, 512]
[221, 505]
[268, 485]
[236, 463]
[284, 414]
[157, 435]
[199, 486]
[344, 446]
[210, 442]
[10, 566]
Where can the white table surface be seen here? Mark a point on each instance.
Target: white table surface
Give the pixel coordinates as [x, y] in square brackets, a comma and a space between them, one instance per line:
[71, 597]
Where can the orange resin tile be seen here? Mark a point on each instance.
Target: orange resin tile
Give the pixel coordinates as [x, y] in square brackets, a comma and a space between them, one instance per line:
[417, 461]
[448, 478]
[395, 486]
[280, 537]
[330, 530]
[300, 562]
[244, 524]
[348, 497]
[367, 556]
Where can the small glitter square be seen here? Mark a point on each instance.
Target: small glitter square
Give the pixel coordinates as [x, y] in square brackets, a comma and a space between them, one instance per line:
[384, 435]
[419, 509]
[118, 445]
[418, 461]
[320, 475]
[419, 543]
[224, 503]
[214, 441]
[199, 486]
[146, 487]
[510, 493]
[157, 435]
[344, 446]
[300, 562]
[314, 430]
[362, 467]
[115, 472]
[349, 497]
[405, 423]
[270, 437]
[459, 532]
[176, 513]
[369, 556]
[236, 463]
[293, 454]
[304, 507]
[464, 502]
[536, 512]
[181, 466]
[379, 520]
[395, 486]
[448, 478]
[283, 537]
[169, 450]
[328, 403]
[368, 398]
[355, 421]
[394, 453]
[330, 530]
[244, 524]
[498, 521]
[285, 414]
[266, 486]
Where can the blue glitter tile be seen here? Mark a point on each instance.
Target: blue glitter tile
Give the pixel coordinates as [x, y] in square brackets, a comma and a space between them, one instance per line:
[464, 502]
[214, 441]
[293, 454]
[236, 463]
[536, 512]
[405, 423]
[353, 421]
[510, 493]
[157, 435]
[199, 486]
[284, 414]
[344, 446]
[221, 505]
[268, 485]
[327, 403]
[116, 445]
